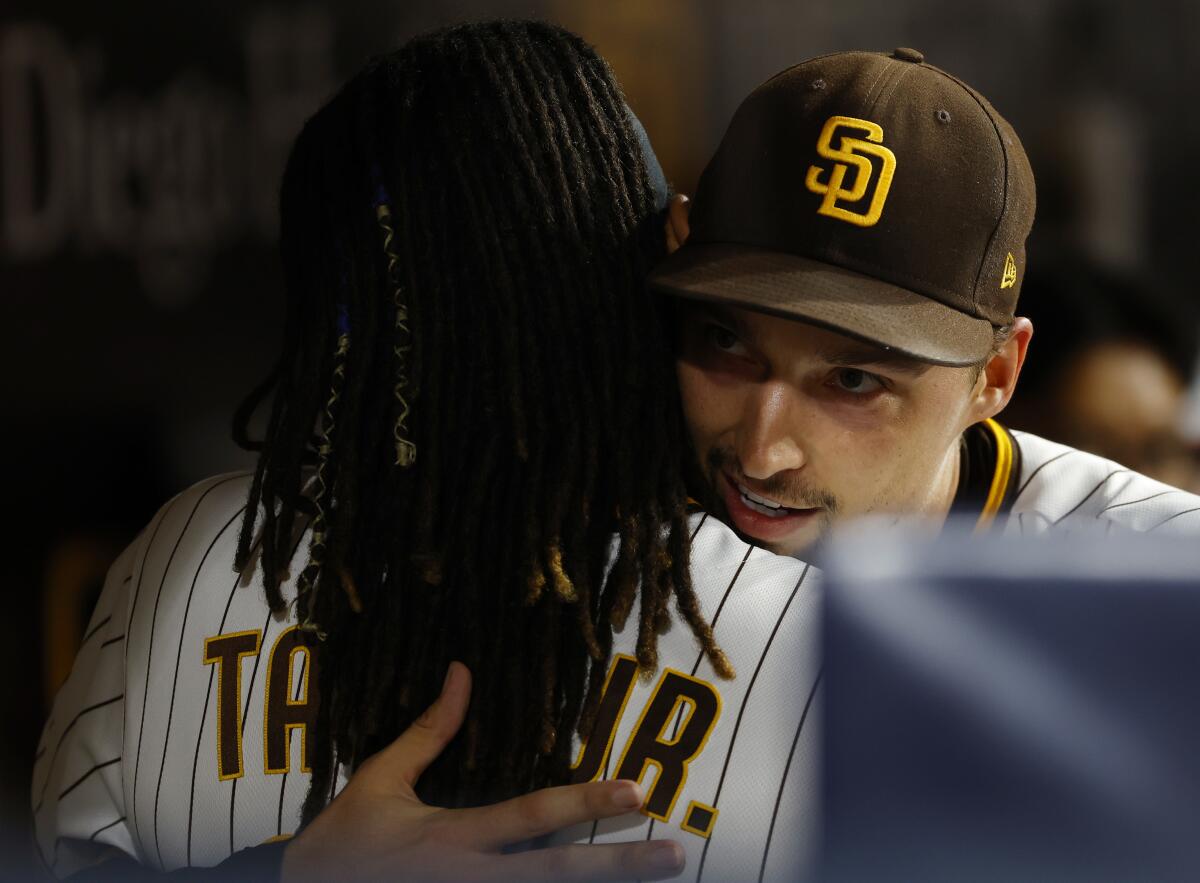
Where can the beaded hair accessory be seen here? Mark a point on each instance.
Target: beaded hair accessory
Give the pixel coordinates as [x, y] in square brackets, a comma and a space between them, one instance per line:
[306, 585]
[406, 451]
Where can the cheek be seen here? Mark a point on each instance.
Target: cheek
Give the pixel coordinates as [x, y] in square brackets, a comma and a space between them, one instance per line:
[864, 459]
[709, 408]
[911, 461]
[879, 463]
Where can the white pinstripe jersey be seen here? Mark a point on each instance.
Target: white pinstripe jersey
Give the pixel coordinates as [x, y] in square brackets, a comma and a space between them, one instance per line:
[130, 757]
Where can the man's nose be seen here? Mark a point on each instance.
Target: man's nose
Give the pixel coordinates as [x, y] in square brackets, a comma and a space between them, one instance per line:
[767, 442]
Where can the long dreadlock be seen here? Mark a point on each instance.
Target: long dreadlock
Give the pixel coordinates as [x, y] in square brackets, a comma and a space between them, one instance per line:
[465, 232]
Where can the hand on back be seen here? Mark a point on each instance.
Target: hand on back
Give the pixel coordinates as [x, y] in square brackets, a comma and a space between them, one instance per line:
[378, 829]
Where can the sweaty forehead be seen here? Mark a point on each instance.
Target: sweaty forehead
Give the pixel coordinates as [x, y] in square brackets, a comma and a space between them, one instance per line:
[776, 332]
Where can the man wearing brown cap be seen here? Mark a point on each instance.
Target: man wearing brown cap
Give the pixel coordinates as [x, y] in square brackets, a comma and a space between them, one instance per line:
[847, 315]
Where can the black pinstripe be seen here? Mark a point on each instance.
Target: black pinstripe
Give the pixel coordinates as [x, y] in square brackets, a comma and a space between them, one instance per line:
[1135, 502]
[43, 743]
[100, 831]
[1021, 489]
[700, 656]
[1090, 494]
[786, 769]
[58, 840]
[87, 776]
[1172, 518]
[742, 709]
[112, 641]
[62, 736]
[101, 624]
[92, 632]
[187, 609]
[153, 621]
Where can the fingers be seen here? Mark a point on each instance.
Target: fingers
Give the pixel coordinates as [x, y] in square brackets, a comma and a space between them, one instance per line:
[678, 228]
[652, 860]
[548, 810]
[416, 748]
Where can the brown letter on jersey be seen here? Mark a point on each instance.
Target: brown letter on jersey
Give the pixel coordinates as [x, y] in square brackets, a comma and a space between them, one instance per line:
[227, 652]
[289, 707]
[647, 745]
[612, 703]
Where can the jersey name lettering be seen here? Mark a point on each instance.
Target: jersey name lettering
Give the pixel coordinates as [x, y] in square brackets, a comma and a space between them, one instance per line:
[288, 705]
[654, 741]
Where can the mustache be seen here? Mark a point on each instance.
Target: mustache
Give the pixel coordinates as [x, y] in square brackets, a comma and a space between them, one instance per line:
[793, 491]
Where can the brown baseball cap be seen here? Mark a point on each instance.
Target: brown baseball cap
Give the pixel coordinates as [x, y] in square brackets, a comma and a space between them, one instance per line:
[869, 193]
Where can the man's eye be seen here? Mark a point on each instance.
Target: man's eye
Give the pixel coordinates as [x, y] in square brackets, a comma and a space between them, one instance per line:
[857, 381]
[724, 340]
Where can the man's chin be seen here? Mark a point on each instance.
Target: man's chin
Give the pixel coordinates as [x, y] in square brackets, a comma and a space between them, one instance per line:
[794, 547]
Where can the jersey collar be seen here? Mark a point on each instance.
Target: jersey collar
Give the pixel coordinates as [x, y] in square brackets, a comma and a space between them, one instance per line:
[989, 464]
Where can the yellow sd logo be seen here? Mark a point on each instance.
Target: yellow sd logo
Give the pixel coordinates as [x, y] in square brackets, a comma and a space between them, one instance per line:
[852, 152]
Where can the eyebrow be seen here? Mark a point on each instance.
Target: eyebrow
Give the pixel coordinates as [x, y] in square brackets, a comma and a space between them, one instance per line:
[854, 355]
[868, 356]
[714, 311]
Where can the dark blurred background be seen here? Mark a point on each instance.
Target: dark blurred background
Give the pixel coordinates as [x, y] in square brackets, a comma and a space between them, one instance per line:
[141, 146]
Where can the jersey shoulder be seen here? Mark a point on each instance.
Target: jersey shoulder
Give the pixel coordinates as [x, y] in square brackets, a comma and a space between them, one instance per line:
[185, 556]
[1063, 487]
[97, 783]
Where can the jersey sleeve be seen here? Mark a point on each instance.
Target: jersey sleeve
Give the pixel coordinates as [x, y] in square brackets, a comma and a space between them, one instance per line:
[1064, 489]
[77, 790]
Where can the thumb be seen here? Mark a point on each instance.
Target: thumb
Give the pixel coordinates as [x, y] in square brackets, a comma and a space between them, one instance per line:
[418, 746]
[677, 217]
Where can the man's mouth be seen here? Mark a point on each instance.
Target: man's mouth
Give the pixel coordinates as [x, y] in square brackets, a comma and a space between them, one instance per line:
[760, 517]
[767, 507]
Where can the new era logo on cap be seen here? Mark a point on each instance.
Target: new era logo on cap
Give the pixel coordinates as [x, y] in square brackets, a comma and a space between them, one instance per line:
[872, 194]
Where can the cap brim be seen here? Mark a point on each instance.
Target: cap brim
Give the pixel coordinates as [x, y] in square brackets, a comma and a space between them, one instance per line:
[826, 295]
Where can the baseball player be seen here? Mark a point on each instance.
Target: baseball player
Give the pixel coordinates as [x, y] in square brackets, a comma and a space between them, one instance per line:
[475, 455]
[847, 326]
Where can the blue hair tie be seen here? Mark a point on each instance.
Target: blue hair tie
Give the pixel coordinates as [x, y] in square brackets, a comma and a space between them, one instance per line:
[343, 319]
[381, 194]
[658, 181]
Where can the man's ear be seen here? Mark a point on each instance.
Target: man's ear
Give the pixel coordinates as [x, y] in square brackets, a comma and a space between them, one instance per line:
[677, 222]
[998, 379]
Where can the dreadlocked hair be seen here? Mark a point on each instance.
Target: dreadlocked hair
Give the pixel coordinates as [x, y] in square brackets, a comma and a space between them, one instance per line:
[495, 319]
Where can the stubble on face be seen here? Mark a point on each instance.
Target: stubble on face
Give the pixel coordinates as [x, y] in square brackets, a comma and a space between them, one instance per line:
[794, 491]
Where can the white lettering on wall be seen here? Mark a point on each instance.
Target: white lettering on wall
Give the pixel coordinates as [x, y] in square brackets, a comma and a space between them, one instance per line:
[165, 179]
